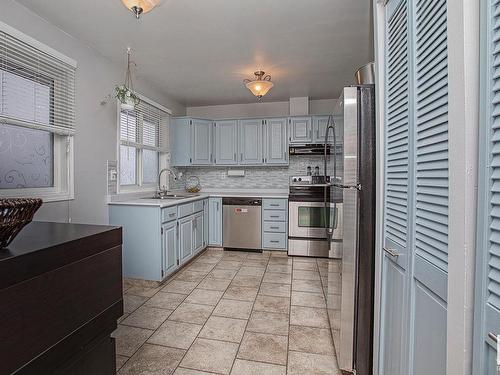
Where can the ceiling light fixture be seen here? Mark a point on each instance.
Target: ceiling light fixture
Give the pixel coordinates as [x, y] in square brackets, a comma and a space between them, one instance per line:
[139, 7]
[260, 85]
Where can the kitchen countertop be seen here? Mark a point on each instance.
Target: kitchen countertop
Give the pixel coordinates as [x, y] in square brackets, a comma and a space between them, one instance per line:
[162, 203]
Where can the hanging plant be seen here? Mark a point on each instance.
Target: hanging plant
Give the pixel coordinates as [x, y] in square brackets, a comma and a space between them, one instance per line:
[125, 93]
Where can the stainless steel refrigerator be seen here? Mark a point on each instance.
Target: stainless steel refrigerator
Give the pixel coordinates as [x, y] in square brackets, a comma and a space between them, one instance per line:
[351, 277]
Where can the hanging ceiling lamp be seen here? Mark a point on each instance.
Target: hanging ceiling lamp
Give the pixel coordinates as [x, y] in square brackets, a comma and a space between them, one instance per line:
[260, 85]
[139, 7]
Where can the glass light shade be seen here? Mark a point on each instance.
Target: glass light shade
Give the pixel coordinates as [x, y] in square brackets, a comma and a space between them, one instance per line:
[145, 5]
[259, 87]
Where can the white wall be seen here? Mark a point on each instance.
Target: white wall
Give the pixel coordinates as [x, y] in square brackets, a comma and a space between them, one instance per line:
[95, 140]
[264, 109]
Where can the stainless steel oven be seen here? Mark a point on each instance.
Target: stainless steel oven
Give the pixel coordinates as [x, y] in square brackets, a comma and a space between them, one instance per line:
[309, 217]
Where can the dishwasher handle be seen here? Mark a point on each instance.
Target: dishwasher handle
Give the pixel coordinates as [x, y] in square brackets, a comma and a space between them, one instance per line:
[241, 202]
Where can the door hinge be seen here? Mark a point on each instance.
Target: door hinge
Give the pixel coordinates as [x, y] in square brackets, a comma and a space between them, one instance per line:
[162, 273]
[190, 122]
[190, 160]
[162, 231]
[177, 261]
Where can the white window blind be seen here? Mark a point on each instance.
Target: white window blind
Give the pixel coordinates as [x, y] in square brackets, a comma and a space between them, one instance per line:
[37, 90]
[147, 127]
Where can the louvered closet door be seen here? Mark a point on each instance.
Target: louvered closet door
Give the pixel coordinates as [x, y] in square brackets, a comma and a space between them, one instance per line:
[430, 237]
[394, 327]
[487, 307]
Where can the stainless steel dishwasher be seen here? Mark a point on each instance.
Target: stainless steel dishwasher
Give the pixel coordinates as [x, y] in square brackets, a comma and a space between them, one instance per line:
[242, 223]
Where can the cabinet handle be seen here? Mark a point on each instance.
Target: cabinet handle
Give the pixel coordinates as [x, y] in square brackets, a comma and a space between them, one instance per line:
[274, 216]
[493, 337]
[274, 205]
[274, 227]
[171, 214]
[274, 241]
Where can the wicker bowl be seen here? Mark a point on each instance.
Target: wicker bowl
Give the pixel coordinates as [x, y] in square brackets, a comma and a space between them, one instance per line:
[15, 213]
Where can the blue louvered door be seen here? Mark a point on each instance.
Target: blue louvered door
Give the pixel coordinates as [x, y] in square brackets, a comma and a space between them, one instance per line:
[415, 263]
[487, 307]
[430, 223]
[395, 296]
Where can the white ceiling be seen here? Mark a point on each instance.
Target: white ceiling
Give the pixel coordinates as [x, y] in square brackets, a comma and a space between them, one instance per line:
[199, 51]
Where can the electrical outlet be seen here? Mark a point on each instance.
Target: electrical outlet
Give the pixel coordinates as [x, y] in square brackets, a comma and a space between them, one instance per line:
[223, 176]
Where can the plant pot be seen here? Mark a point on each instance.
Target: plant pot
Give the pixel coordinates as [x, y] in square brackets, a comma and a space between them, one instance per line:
[129, 104]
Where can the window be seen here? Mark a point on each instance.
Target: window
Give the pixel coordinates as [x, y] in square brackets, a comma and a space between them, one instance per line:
[143, 145]
[37, 121]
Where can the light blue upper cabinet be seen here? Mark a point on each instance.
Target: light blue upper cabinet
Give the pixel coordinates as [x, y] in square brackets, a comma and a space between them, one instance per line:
[251, 141]
[201, 142]
[275, 141]
[180, 142]
[215, 222]
[226, 142]
[319, 128]
[300, 129]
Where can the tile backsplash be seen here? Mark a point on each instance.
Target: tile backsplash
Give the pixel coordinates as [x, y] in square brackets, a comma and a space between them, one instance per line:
[212, 177]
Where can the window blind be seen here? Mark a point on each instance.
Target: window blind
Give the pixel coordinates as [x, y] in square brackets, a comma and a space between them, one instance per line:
[146, 127]
[37, 89]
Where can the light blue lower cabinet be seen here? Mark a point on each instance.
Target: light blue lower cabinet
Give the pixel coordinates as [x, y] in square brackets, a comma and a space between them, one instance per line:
[170, 255]
[155, 242]
[215, 222]
[275, 224]
[185, 239]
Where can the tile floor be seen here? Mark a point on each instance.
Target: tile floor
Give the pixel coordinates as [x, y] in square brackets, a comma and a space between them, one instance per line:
[235, 313]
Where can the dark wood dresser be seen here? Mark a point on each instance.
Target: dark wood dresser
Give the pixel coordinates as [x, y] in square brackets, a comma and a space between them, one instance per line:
[60, 297]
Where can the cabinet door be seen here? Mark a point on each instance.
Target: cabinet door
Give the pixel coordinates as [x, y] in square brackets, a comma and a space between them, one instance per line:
[276, 141]
[185, 239]
[201, 142]
[226, 142]
[251, 142]
[169, 248]
[198, 232]
[180, 142]
[319, 128]
[215, 222]
[300, 129]
[205, 222]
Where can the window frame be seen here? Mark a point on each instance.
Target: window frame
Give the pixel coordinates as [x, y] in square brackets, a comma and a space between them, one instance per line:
[63, 144]
[139, 186]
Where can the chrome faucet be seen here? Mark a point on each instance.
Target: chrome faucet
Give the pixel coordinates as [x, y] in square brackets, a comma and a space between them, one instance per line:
[162, 191]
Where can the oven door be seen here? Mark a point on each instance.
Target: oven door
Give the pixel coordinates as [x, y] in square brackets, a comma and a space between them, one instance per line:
[308, 219]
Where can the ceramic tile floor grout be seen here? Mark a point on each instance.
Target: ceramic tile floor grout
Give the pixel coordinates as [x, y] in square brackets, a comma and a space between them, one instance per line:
[240, 257]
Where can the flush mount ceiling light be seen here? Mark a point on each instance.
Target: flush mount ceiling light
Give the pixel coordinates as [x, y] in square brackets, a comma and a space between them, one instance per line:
[260, 85]
[139, 7]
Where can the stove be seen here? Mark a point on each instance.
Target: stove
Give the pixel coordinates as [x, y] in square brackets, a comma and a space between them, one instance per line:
[310, 216]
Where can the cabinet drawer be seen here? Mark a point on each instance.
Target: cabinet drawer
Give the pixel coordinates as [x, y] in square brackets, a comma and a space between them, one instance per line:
[185, 210]
[198, 206]
[274, 240]
[270, 215]
[274, 204]
[168, 214]
[278, 227]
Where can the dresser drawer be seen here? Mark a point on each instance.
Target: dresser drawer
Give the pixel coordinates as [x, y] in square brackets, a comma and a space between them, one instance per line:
[274, 240]
[185, 210]
[168, 214]
[274, 204]
[270, 215]
[198, 206]
[277, 227]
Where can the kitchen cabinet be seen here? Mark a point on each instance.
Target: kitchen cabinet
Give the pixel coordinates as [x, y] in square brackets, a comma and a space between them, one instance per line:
[274, 224]
[250, 134]
[201, 142]
[180, 142]
[275, 141]
[206, 217]
[185, 239]
[198, 233]
[300, 129]
[226, 142]
[170, 257]
[215, 222]
[319, 127]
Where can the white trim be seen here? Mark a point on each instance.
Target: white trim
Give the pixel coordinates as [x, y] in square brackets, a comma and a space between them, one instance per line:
[154, 104]
[36, 44]
[463, 129]
[379, 43]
